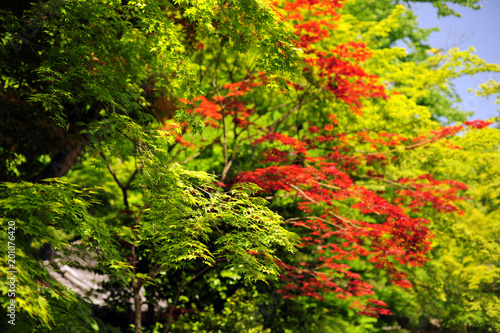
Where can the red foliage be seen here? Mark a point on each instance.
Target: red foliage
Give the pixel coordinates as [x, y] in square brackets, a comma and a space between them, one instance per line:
[209, 110]
[425, 190]
[387, 235]
[346, 79]
[382, 233]
[338, 69]
[227, 105]
[310, 32]
[478, 124]
[395, 240]
[317, 7]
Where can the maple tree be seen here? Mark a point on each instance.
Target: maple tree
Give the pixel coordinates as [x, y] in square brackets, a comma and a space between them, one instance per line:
[307, 99]
[463, 267]
[336, 148]
[76, 78]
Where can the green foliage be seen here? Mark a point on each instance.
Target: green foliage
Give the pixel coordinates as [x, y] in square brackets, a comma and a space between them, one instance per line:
[95, 94]
[197, 211]
[240, 314]
[445, 10]
[465, 269]
[40, 212]
[83, 74]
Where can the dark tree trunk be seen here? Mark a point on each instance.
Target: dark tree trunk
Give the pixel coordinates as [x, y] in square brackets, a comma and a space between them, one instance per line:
[63, 161]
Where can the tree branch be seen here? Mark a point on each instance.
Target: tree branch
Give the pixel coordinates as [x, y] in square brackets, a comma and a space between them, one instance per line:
[316, 218]
[63, 161]
[301, 101]
[176, 299]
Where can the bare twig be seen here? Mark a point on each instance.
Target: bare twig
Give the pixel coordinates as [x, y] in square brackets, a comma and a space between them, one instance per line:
[392, 182]
[316, 218]
[191, 157]
[330, 186]
[278, 196]
[301, 101]
[113, 173]
[304, 194]
[176, 299]
[123, 188]
[224, 131]
[343, 219]
[228, 166]
[413, 146]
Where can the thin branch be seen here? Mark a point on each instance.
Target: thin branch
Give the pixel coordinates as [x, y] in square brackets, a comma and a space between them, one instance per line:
[129, 138]
[228, 166]
[283, 118]
[122, 187]
[413, 146]
[297, 219]
[204, 191]
[278, 196]
[392, 182]
[136, 284]
[236, 58]
[222, 42]
[227, 162]
[113, 173]
[304, 194]
[140, 212]
[289, 112]
[209, 65]
[176, 299]
[131, 179]
[316, 218]
[191, 157]
[200, 58]
[333, 214]
[279, 106]
[330, 186]
[343, 219]
[224, 131]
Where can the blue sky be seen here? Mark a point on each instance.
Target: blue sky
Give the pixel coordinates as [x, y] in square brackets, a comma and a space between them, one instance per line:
[480, 29]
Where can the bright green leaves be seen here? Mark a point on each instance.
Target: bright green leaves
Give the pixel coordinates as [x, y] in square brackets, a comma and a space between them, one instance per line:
[114, 71]
[457, 286]
[181, 216]
[106, 54]
[445, 10]
[490, 88]
[190, 219]
[55, 204]
[264, 31]
[173, 218]
[257, 233]
[240, 314]
[48, 213]
[248, 26]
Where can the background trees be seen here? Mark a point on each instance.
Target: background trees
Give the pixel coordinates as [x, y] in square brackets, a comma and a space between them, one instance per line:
[311, 101]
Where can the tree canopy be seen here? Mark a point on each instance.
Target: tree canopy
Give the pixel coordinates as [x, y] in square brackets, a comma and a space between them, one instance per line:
[244, 166]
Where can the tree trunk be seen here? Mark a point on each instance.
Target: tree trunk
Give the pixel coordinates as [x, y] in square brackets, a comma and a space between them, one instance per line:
[136, 286]
[63, 161]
